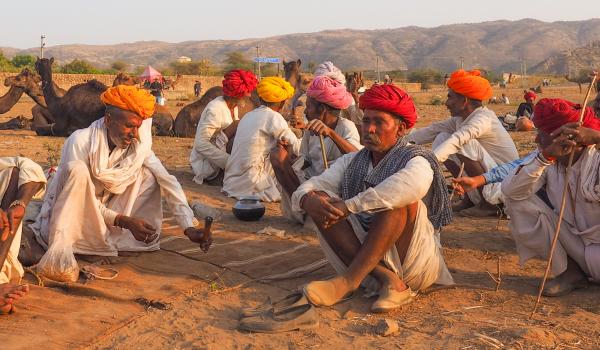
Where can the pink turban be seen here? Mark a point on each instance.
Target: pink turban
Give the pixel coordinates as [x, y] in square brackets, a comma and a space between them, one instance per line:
[330, 92]
[390, 98]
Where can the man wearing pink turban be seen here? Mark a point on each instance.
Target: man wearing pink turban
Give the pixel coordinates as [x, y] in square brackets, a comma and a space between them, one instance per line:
[472, 136]
[326, 98]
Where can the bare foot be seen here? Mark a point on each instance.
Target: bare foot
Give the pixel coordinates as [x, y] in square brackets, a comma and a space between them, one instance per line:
[9, 294]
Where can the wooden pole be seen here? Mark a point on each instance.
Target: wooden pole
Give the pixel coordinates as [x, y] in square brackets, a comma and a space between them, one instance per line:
[323, 154]
[460, 173]
[563, 202]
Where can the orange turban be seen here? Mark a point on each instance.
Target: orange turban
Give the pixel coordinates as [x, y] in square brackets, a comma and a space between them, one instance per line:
[130, 98]
[470, 84]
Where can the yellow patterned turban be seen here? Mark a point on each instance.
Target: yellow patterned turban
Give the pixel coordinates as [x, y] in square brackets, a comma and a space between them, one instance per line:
[130, 98]
[274, 89]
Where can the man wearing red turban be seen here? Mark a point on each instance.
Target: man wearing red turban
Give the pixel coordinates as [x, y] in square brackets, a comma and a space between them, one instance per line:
[377, 210]
[217, 126]
[526, 108]
[534, 216]
[472, 136]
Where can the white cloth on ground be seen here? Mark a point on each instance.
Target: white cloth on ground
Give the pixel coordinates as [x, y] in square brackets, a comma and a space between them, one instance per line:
[208, 155]
[29, 171]
[248, 170]
[424, 263]
[533, 222]
[80, 207]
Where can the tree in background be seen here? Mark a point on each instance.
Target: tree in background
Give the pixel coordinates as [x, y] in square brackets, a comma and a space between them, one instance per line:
[5, 64]
[119, 66]
[237, 60]
[426, 77]
[202, 67]
[79, 67]
[23, 61]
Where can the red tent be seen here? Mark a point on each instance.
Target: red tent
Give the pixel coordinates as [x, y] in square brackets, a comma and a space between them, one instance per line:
[150, 74]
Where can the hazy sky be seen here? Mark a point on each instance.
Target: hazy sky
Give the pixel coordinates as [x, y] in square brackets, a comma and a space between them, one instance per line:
[118, 21]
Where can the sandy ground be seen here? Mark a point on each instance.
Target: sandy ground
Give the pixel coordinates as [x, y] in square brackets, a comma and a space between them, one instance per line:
[201, 294]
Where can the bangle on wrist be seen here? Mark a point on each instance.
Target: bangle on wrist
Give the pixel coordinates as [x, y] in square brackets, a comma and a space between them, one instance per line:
[547, 159]
[18, 203]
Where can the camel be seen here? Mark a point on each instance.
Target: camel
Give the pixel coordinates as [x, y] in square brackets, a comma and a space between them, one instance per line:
[170, 83]
[187, 119]
[300, 83]
[125, 79]
[78, 108]
[8, 100]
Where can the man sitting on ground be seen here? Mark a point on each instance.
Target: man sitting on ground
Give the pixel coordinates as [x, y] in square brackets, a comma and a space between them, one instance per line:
[378, 210]
[106, 194]
[217, 126]
[473, 136]
[526, 108]
[534, 216]
[248, 170]
[20, 180]
[326, 98]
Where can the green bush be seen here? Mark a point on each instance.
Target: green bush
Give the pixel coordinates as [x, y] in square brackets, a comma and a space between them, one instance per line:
[78, 66]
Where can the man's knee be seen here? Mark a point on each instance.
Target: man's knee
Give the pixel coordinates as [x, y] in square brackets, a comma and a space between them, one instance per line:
[440, 138]
[77, 169]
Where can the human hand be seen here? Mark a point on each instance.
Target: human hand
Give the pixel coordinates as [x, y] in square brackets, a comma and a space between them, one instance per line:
[467, 183]
[559, 147]
[319, 128]
[15, 214]
[297, 122]
[141, 230]
[321, 210]
[576, 132]
[355, 82]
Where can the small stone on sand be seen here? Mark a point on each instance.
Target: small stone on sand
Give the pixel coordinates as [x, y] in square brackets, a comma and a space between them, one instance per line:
[386, 327]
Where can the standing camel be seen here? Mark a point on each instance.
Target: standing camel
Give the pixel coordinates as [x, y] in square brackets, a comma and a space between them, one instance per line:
[170, 83]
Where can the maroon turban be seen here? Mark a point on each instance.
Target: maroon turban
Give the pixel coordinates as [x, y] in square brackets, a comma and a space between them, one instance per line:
[390, 98]
[529, 95]
[239, 83]
[552, 113]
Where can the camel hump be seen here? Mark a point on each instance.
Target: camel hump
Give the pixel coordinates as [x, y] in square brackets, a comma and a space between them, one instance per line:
[97, 85]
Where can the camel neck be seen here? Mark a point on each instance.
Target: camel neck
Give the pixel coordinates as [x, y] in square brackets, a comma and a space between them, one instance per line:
[50, 96]
[10, 99]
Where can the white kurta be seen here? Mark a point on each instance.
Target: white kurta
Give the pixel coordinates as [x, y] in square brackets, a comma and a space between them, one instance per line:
[80, 207]
[480, 137]
[248, 170]
[424, 263]
[533, 222]
[29, 171]
[209, 156]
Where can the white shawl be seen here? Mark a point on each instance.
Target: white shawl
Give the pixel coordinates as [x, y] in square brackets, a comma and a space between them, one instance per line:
[590, 174]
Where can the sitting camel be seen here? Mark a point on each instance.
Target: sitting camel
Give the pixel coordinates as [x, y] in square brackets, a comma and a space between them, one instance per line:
[187, 119]
[8, 100]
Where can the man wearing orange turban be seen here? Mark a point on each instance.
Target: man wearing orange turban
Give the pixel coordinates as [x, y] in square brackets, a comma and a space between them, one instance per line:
[218, 125]
[472, 136]
[248, 170]
[106, 194]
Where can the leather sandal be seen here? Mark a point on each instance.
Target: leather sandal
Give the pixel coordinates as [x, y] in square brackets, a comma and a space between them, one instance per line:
[284, 320]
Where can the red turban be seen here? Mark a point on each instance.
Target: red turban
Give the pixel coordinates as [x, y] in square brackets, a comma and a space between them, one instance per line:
[470, 84]
[530, 95]
[552, 113]
[239, 83]
[390, 98]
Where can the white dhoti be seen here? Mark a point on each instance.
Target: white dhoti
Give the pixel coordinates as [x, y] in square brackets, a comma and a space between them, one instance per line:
[203, 166]
[533, 224]
[78, 213]
[474, 151]
[423, 265]
[11, 269]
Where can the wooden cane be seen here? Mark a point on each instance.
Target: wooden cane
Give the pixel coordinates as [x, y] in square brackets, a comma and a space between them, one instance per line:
[460, 173]
[323, 154]
[563, 202]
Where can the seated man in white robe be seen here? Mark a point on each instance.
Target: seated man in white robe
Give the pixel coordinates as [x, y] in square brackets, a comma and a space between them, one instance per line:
[106, 194]
[217, 126]
[326, 99]
[20, 180]
[473, 136]
[379, 210]
[534, 192]
[248, 171]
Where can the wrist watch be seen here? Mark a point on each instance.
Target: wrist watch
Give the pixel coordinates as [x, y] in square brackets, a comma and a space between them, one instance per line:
[18, 203]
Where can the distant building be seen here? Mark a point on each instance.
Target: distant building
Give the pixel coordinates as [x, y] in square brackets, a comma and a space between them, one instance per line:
[184, 59]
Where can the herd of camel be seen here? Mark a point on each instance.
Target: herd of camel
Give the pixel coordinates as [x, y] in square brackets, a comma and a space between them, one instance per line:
[59, 112]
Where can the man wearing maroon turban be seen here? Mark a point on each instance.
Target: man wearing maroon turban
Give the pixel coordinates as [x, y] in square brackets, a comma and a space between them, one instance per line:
[326, 98]
[218, 124]
[534, 215]
[472, 136]
[378, 210]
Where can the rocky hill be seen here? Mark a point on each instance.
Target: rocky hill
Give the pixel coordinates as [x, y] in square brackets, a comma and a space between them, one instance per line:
[496, 45]
[571, 62]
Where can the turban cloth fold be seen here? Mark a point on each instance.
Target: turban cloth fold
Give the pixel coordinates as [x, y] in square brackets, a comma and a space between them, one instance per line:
[239, 83]
[274, 89]
[470, 84]
[530, 95]
[130, 98]
[330, 92]
[552, 113]
[329, 70]
[390, 98]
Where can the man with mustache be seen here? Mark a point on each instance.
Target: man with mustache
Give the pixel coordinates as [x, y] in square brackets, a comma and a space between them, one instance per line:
[534, 216]
[217, 126]
[473, 136]
[379, 210]
[106, 194]
[326, 98]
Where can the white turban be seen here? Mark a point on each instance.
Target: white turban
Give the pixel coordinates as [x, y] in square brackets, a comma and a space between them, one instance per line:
[329, 70]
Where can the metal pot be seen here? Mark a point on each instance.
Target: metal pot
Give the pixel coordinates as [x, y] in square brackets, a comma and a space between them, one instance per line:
[248, 208]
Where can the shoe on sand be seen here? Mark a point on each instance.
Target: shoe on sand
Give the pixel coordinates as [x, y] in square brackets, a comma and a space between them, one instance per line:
[558, 288]
[294, 299]
[285, 320]
[391, 299]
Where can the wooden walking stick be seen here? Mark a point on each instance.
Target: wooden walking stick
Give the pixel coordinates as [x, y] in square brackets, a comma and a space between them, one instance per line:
[323, 152]
[460, 174]
[563, 202]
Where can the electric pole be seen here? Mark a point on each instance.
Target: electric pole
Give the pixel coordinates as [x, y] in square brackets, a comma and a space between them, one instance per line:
[462, 62]
[42, 44]
[258, 61]
[377, 63]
